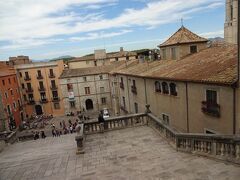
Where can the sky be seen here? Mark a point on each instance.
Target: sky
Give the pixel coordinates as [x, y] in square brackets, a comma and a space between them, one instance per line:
[45, 29]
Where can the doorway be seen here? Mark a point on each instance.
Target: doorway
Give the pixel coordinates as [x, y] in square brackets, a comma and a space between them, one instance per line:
[38, 109]
[89, 104]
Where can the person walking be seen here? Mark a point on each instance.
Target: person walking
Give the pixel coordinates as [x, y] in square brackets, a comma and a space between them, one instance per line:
[101, 122]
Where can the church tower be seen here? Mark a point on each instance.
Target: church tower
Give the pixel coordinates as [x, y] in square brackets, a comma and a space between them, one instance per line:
[230, 27]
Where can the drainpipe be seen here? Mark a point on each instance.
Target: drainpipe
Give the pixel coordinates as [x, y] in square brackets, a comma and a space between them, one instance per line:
[146, 100]
[128, 95]
[187, 107]
[234, 110]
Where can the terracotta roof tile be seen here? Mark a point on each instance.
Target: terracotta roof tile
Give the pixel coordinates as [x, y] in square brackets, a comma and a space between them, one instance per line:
[90, 70]
[182, 36]
[217, 65]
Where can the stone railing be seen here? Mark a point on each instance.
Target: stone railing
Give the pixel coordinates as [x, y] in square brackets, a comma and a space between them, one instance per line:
[223, 147]
[115, 123]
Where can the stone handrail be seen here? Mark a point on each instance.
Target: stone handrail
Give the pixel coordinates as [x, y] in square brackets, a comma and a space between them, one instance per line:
[114, 123]
[223, 147]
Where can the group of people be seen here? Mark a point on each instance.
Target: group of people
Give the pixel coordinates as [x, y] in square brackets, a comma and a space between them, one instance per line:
[36, 135]
[64, 128]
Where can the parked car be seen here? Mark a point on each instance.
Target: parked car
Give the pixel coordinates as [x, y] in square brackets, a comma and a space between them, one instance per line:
[105, 113]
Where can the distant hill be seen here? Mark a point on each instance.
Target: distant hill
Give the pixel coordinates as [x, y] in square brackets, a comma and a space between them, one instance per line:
[216, 39]
[64, 58]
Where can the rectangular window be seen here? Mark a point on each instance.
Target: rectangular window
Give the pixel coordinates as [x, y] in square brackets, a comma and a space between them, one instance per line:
[23, 87]
[84, 79]
[3, 82]
[26, 75]
[43, 95]
[39, 73]
[56, 105]
[25, 97]
[104, 100]
[87, 90]
[136, 107]
[101, 89]
[164, 54]
[100, 77]
[14, 79]
[72, 104]
[20, 74]
[173, 53]
[124, 102]
[14, 106]
[30, 97]
[55, 94]
[211, 96]
[29, 87]
[9, 80]
[11, 91]
[193, 49]
[165, 119]
[70, 87]
[19, 104]
[51, 72]
[6, 95]
[41, 86]
[95, 63]
[134, 83]
[9, 109]
[53, 84]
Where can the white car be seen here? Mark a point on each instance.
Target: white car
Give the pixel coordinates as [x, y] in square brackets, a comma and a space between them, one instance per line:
[105, 113]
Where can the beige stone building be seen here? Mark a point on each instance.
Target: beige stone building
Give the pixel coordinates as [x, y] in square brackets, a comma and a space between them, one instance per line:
[87, 89]
[39, 85]
[230, 26]
[101, 58]
[195, 94]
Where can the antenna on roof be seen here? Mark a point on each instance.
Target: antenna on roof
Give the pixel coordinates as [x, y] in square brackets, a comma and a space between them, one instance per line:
[182, 22]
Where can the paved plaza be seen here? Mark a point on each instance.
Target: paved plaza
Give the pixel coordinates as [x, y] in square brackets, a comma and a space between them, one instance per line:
[132, 153]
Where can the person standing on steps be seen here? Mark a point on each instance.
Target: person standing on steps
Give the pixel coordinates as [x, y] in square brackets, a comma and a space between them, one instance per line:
[101, 122]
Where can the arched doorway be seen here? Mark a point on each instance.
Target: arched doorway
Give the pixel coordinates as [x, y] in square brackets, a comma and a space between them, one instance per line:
[89, 104]
[38, 109]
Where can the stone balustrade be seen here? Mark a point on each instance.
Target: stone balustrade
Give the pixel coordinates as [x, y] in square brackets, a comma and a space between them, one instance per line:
[115, 123]
[223, 147]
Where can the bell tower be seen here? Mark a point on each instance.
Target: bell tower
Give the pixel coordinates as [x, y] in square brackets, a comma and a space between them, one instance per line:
[230, 26]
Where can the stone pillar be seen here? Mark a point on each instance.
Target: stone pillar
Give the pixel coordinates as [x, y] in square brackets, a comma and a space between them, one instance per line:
[80, 138]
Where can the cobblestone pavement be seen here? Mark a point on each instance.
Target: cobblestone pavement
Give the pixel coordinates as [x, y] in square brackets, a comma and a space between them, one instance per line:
[133, 153]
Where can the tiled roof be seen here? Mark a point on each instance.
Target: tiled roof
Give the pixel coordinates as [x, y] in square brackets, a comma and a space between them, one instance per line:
[182, 36]
[215, 65]
[7, 71]
[90, 70]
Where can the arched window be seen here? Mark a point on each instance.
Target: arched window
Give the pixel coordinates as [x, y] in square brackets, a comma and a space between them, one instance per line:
[165, 88]
[173, 90]
[157, 86]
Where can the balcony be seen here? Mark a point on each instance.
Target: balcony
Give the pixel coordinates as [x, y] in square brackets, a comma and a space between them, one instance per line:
[51, 75]
[27, 78]
[39, 77]
[29, 90]
[121, 85]
[41, 89]
[55, 99]
[31, 102]
[43, 100]
[134, 89]
[211, 109]
[54, 87]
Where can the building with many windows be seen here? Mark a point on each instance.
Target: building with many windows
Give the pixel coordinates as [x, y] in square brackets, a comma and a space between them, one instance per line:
[11, 103]
[195, 94]
[87, 89]
[39, 86]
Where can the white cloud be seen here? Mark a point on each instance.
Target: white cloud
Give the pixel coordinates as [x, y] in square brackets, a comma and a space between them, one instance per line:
[100, 35]
[213, 34]
[29, 20]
